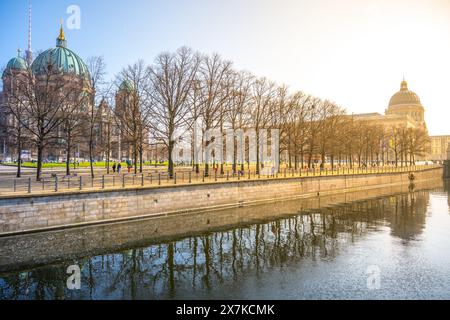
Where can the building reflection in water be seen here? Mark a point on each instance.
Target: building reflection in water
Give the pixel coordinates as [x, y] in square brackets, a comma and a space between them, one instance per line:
[201, 263]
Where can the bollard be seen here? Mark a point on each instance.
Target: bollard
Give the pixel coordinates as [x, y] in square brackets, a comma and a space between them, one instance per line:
[215, 175]
[29, 185]
[68, 183]
[103, 182]
[43, 184]
[142, 180]
[81, 183]
[123, 181]
[175, 178]
[190, 177]
[203, 176]
[151, 179]
[56, 184]
[114, 181]
[15, 185]
[159, 179]
[228, 175]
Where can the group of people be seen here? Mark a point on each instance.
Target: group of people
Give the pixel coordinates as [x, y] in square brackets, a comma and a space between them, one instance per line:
[117, 166]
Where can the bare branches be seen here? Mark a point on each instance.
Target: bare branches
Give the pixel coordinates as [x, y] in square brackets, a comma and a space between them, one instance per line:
[42, 103]
[172, 77]
[164, 101]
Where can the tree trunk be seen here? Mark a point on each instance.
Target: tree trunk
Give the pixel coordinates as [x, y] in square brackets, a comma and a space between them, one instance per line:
[108, 150]
[91, 164]
[135, 156]
[257, 154]
[141, 156]
[170, 165]
[40, 148]
[68, 149]
[19, 157]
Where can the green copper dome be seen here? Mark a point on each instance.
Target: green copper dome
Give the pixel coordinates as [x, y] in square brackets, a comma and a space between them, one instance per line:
[60, 59]
[18, 64]
[126, 85]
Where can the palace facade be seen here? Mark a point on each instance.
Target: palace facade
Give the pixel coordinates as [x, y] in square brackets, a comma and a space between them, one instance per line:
[406, 110]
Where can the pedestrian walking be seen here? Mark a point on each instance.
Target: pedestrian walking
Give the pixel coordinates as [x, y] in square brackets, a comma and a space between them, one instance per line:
[114, 167]
[119, 168]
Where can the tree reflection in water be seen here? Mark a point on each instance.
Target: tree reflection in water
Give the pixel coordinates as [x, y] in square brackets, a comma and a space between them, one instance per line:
[202, 263]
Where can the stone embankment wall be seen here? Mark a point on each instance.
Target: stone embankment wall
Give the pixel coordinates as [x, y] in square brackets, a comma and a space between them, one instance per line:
[28, 213]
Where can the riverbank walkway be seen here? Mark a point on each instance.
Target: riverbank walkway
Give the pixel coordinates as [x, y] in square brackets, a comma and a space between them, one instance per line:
[81, 181]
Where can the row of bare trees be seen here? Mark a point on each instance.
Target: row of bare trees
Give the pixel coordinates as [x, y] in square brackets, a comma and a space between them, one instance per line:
[163, 101]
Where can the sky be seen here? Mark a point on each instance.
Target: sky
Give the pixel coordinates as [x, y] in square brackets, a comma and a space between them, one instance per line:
[354, 52]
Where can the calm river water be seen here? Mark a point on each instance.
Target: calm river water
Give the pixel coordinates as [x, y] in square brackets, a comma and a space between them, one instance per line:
[388, 247]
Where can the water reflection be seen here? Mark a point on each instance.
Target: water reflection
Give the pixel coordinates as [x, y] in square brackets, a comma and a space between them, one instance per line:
[214, 264]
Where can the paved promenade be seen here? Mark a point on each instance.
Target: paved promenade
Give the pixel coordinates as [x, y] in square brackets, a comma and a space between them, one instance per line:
[55, 181]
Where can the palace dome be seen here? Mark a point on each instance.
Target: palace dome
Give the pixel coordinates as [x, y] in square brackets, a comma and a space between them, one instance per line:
[61, 59]
[405, 97]
[18, 64]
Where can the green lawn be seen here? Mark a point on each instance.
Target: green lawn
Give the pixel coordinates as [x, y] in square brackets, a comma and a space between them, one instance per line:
[100, 164]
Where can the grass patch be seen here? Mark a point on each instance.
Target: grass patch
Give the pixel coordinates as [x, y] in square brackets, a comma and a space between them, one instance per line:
[100, 164]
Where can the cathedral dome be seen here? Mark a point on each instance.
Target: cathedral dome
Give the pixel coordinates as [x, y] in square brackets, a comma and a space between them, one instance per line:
[126, 85]
[405, 97]
[60, 59]
[17, 64]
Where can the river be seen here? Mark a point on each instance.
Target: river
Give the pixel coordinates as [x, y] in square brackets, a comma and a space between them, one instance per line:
[394, 246]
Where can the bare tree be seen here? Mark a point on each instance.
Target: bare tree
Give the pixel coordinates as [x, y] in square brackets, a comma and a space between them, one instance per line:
[418, 143]
[263, 94]
[97, 70]
[73, 122]
[172, 78]
[295, 127]
[46, 98]
[328, 120]
[134, 108]
[213, 75]
[237, 106]
[15, 114]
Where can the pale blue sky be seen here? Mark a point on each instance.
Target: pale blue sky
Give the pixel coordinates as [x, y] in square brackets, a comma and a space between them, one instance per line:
[352, 51]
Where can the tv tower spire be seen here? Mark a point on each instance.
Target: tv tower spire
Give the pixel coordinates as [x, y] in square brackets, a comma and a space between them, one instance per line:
[29, 52]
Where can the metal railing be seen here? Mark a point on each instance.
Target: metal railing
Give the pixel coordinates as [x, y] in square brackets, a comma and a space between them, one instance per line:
[60, 183]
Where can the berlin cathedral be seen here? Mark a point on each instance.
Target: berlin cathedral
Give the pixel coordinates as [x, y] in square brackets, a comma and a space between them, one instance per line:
[67, 62]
